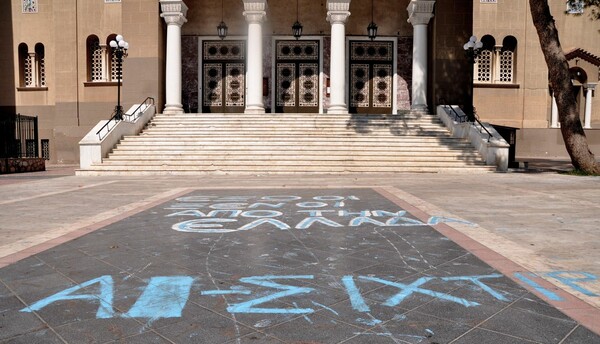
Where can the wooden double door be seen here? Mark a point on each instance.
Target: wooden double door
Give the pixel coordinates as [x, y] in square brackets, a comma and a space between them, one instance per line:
[371, 77]
[297, 76]
[223, 76]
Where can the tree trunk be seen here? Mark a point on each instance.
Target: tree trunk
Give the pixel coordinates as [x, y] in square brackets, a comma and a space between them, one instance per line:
[560, 81]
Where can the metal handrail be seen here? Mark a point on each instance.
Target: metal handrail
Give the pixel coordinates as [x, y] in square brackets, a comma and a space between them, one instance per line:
[465, 118]
[457, 116]
[115, 118]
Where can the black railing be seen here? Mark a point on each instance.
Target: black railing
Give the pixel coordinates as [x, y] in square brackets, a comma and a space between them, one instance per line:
[465, 118]
[19, 136]
[457, 117]
[129, 117]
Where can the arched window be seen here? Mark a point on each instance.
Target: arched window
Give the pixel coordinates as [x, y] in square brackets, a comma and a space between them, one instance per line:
[506, 60]
[25, 71]
[32, 70]
[102, 60]
[484, 64]
[95, 59]
[40, 58]
[496, 63]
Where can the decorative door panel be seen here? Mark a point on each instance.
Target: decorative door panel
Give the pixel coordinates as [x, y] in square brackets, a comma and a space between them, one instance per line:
[223, 76]
[297, 76]
[371, 77]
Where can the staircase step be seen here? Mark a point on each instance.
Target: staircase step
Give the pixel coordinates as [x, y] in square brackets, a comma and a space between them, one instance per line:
[192, 144]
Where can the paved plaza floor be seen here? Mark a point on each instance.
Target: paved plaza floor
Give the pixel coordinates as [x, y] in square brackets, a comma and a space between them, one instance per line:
[405, 258]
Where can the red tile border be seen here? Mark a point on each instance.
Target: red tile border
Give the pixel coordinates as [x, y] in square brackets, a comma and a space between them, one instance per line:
[572, 306]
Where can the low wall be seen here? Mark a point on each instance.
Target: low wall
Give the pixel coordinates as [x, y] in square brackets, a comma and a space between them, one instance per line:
[493, 149]
[546, 143]
[20, 165]
[92, 149]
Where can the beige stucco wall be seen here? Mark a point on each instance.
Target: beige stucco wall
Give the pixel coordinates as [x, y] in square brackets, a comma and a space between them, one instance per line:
[529, 105]
[70, 106]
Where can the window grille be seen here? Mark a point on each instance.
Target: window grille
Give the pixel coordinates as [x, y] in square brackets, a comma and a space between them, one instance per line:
[484, 66]
[46, 149]
[113, 65]
[96, 62]
[506, 66]
[28, 71]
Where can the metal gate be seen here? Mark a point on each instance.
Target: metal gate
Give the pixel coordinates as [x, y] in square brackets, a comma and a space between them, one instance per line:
[223, 76]
[19, 136]
[297, 76]
[371, 77]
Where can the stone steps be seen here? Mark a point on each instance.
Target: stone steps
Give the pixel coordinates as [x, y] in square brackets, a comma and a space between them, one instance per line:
[189, 144]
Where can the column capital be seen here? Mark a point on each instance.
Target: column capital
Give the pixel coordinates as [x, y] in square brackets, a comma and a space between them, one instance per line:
[255, 10]
[590, 87]
[173, 12]
[338, 11]
[420, 11]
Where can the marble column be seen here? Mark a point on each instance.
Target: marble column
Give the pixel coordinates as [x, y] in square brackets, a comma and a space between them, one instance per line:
[554, 114]
[255, 13]
[173, 12]
[419, 14]
[587, 122]
[337, 14]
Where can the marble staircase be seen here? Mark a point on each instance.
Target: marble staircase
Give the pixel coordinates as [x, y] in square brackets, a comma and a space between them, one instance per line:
[192, 144]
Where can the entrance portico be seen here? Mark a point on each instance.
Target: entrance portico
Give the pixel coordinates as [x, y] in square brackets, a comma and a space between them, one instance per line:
[257, 25]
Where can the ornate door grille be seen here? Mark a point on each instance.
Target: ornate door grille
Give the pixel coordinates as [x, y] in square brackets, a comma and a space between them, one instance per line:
[223, 76]
[371, 77]
[297, 76]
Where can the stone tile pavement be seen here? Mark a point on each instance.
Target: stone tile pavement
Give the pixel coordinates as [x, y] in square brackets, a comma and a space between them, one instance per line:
[405, 258]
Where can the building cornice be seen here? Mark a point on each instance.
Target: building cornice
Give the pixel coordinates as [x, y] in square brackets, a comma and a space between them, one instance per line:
[579, 53]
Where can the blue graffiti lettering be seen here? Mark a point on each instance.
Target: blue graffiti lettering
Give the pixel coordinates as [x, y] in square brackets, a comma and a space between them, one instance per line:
[228, 206]
[195, 213]
[311, 205]
[356, 299]
[571, 281]
[378, 213]
[307, 222]
[409, 289]
[259, 222]
[164, 297]
[358, 221]
[208, 225]
[477, 282]
[403, 222]
[267, 281]
[434, 220]
[316, 212]
[256, 205]
[547, 293]
[261, 213]
[363, 213]
[104, 297]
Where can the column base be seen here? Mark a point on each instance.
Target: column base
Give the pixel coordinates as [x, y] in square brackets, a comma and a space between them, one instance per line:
[173, 109]
[254, 109]
[419, 107]
[337, 110]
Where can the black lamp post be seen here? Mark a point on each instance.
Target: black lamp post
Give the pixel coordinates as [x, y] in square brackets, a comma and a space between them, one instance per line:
[472, 50]
[297, 27]
[119, 46]
[372, 28]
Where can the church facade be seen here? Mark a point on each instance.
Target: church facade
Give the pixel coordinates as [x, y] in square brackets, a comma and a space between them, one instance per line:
[276, 56]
